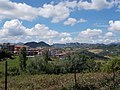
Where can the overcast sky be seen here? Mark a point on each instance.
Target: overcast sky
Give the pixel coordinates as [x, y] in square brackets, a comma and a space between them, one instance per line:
[60, 21]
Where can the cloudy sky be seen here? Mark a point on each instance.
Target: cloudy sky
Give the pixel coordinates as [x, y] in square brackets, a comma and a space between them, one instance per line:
[60, 21]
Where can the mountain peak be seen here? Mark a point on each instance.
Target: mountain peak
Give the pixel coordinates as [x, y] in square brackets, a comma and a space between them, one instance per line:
[35, 44]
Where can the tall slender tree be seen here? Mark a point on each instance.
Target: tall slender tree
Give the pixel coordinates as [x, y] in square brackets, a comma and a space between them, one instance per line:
[23, 59]
[46, 56]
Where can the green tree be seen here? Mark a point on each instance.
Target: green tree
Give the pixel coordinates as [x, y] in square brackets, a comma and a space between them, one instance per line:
[77, 61]
[90, 65]
[37, 65]
[5, 54]
[113, 67]
[23, 59]
[46, 56]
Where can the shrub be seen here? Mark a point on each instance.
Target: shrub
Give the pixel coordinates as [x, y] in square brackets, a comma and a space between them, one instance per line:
[36, 66]
[13, 71]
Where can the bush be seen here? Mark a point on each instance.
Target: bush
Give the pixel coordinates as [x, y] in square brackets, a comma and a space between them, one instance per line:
[1, 74]
[36, 66]
[13, 71]
[49, 68]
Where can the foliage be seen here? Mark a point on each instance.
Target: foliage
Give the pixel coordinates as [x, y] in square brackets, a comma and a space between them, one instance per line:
[75, 61]
[37, 65]
[112, 65]
[23, 59]
[91, 65]
[82, 63]
[13, 71]
[46, 56]
[5, 54]
[86, 67]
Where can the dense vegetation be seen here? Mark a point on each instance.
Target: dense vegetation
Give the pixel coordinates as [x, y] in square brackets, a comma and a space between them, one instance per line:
[41, 72]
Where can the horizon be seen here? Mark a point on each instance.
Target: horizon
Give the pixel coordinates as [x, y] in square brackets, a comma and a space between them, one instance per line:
[82, 21]
[58, 43]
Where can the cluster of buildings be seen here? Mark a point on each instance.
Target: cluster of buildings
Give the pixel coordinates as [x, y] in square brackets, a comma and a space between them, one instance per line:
[15, 49]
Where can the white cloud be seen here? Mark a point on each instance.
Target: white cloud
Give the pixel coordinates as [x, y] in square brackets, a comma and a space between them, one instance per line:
[108, 40]
[66, 40]
[73, 21]
[114, 25]
[109, 34]
[95, 36]
[90, 33]
[70, 21]
[72, 4]
[13, 28]
[15, 31]
[57, 12]
[95, 4]
[42, 32]
[89, 36]
[64, 34]
[23, 11]
[13, 10]
[82, 20]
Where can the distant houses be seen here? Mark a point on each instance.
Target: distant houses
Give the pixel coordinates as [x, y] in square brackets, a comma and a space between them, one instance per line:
[15, 49]
[7, 46]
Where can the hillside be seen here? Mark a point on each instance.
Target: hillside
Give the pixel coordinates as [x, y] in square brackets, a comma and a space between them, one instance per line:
[93, 55]
[78, 45]
[35, 44]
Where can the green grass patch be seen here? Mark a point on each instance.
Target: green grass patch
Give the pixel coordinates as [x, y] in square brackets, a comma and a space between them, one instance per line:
[11, 63]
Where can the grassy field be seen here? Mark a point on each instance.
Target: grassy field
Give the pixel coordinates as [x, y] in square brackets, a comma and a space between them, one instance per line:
[92, 81]
[54, 82]
[95, 50]
[11, 63]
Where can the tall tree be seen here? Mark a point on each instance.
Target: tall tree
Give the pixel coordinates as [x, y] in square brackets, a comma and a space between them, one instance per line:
[46, 56]
[23, 58]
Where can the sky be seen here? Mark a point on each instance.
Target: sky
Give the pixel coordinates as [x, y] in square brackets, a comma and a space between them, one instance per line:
[60, 21]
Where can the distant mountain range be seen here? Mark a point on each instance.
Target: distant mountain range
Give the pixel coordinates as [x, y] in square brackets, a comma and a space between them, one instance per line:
[77, 45]
[35, 44]
[20, 43]
[73, 45]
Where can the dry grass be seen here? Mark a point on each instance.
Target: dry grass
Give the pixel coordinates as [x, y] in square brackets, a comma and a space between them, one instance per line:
[52, 82]
[97, 51]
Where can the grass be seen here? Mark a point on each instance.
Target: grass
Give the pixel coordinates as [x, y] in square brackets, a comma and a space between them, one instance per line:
[97, 51]
[11, 63]
[54, 82]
